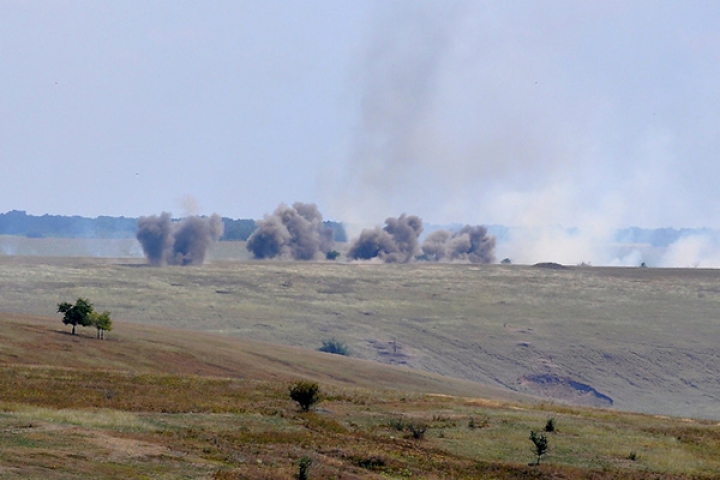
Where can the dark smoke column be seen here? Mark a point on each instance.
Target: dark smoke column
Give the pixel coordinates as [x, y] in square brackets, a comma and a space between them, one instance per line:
[193, 237]
[397, 242]
[471, 244]
[155, 236]
[180, 243]
[296, 233]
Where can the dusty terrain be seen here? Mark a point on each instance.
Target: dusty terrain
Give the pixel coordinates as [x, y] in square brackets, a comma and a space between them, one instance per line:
[627, 338]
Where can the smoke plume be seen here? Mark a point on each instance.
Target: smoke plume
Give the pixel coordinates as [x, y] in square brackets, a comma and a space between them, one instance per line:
[165, 242]
[295, 232]
[397, 242]
[471, 244]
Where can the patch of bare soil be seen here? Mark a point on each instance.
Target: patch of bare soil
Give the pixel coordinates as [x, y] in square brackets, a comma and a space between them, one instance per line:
[565, 389]
[389, 352]
[119, 448]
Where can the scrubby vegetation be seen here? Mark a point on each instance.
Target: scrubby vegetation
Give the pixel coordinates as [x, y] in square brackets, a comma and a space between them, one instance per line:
[540, 443]
[163, 405]
[335, 347]
[305, 393]
[613, 335]
[550, 425]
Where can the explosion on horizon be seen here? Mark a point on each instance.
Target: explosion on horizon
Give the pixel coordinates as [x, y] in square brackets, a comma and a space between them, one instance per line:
[471, 244]
[296, 233]
[397, 242]
[165, 242]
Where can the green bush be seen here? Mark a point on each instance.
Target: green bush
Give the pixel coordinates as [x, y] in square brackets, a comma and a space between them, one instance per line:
[305, 393]
[335, 347]
[550, 425]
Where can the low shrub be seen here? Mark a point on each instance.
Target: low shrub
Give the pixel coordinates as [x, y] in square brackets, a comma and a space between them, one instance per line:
[397, 423]
[305, 393]
[417, 430]
[372, 462]
[550, 425]
[335, 347]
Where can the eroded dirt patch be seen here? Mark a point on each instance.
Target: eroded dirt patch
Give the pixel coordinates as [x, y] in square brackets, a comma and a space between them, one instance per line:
[565, 389]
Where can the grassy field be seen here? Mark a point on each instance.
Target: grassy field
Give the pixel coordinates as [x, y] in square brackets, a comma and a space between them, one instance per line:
[157, 402]
[627, 338]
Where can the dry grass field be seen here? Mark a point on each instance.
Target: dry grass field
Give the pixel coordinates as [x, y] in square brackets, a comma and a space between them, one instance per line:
[156, 402]
[626, 338]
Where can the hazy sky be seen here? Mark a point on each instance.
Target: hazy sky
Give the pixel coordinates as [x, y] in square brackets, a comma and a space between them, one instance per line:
[582, 113]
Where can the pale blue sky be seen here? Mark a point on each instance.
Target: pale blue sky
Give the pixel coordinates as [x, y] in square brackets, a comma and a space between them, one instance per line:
[595, 114]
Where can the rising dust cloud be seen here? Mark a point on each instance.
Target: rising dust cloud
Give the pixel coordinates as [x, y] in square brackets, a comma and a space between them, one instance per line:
[295, 233]
[471, 244]
[185, 242]
[398, 242]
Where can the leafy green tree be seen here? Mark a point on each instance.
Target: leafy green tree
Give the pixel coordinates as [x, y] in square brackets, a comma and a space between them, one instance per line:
[102, 322]
[78, 314]
[541, 445]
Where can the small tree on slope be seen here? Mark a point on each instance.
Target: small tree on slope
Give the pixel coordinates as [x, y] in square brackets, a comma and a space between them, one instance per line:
[102, 322]
[541, 445]
[78, 314]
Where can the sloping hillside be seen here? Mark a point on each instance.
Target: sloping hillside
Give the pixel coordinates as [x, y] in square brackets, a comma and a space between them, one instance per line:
[155, 402]
[43, 341]
[627, 338]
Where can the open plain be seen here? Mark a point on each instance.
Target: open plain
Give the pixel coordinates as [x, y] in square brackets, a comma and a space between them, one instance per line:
[635, 339]
[192, 382]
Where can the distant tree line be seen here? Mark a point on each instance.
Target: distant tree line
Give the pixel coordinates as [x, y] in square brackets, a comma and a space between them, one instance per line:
[18, 222]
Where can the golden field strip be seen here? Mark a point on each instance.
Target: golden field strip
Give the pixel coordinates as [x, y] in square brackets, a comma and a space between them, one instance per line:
[155, 402]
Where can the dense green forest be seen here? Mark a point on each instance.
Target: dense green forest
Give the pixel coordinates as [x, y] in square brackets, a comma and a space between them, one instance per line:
[18, 222]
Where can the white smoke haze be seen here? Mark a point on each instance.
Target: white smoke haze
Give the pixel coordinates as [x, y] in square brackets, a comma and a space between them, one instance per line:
[540, 114]
[190, 206]
[692, 251]
[528, 246]
[9, 246]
